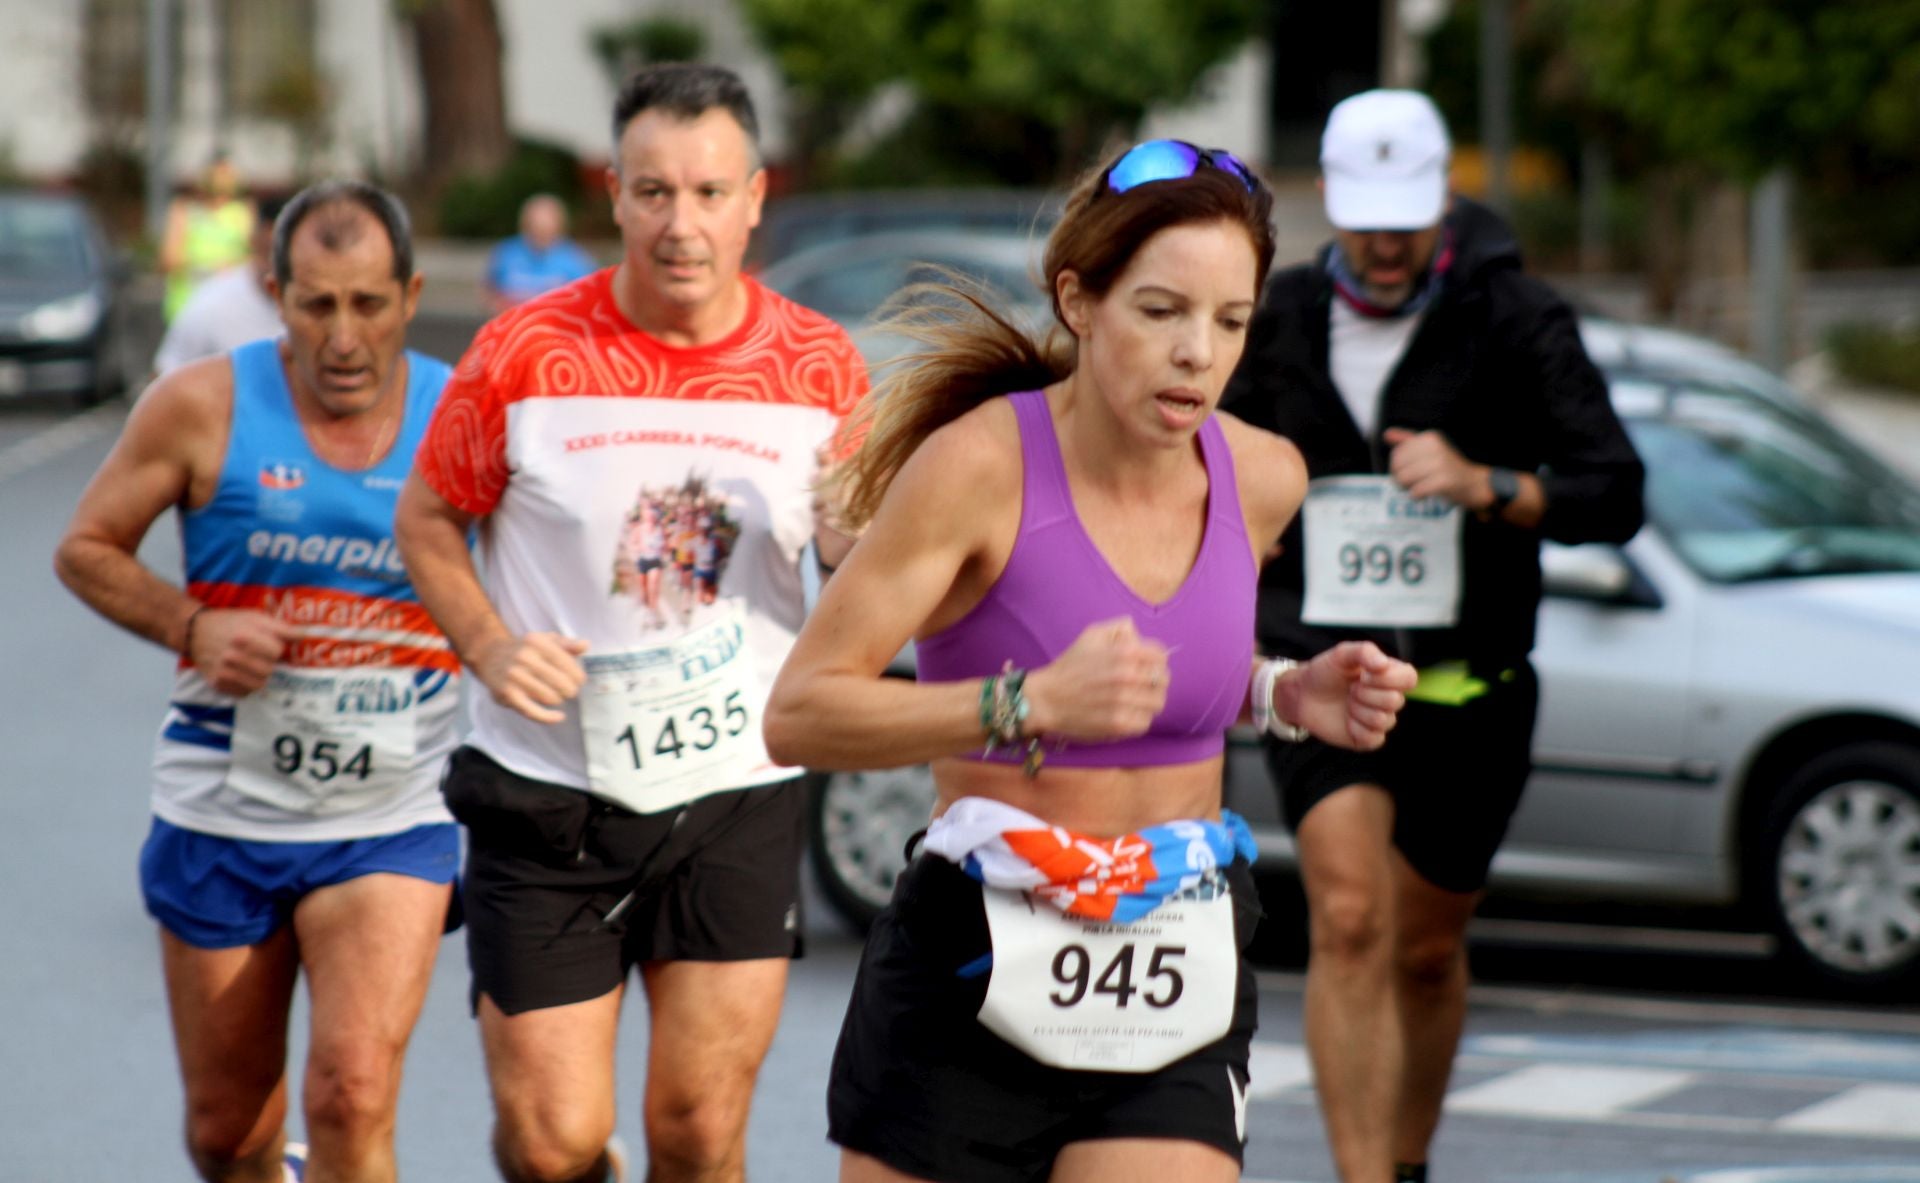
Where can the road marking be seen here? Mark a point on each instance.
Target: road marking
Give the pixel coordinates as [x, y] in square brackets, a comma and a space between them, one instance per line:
[61, 437]
[1612, 1093]
[1587, 1092]
[1277, 1068]
[1836, 1173]
[1873, 1110]
[1743, 1051]
[1569, 1001]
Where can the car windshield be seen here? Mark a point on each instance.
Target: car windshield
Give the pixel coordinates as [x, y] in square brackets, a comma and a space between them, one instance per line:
[40, 238]
[852, 292]
[1747, 489]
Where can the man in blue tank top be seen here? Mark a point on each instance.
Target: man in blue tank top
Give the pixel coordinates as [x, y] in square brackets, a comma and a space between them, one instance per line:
[298, 826]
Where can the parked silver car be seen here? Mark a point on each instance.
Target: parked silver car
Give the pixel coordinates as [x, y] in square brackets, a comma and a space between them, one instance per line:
[1729, 710]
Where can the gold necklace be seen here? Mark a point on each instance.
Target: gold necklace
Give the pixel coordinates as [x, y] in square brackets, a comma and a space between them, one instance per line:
[380, 441]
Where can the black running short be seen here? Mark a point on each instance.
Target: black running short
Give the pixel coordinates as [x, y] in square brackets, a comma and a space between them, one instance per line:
[1455, 774]
[565, 892]
[921, 1085]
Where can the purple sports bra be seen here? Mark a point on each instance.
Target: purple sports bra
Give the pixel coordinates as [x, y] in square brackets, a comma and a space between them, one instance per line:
[1057, 582]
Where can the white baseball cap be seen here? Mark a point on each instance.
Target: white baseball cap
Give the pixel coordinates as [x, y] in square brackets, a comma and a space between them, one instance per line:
[1384, 158]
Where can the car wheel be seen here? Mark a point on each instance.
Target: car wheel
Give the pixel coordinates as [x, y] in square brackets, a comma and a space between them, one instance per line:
[857, 833]
[1843, 856]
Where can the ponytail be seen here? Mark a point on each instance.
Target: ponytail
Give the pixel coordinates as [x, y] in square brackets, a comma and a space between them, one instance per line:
[968, 352]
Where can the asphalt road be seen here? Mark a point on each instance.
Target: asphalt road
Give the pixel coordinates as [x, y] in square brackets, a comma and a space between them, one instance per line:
[1600, 1057]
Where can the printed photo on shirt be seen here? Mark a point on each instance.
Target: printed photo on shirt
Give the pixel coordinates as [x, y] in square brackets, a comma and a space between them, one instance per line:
[673, 550]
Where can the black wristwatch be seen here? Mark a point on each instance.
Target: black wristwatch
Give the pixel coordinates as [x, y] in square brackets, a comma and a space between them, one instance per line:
[1505, 484]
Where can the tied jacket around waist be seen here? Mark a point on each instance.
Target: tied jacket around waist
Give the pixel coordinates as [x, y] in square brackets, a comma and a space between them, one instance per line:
[1497, 367]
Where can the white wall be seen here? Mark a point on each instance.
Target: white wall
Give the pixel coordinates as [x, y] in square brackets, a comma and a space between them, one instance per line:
[365, 56]
[42, 113]
[1231, 111]
[557, 89]
[368, 58]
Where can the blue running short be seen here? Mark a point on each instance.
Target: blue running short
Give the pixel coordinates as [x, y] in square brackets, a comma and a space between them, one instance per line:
[222, 893]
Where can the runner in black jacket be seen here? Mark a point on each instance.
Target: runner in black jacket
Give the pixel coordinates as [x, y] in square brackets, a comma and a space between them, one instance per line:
[1414, 349]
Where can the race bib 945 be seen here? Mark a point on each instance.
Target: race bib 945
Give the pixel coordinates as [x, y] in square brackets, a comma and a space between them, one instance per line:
[1105, 997]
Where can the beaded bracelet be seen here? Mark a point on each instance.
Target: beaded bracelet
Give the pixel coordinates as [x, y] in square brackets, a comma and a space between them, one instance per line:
[1003, 716]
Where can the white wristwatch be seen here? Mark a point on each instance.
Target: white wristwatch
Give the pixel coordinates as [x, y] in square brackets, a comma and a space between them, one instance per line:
[1266, 675]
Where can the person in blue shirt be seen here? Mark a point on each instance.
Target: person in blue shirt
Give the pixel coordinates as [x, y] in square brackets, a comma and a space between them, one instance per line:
[538, 259]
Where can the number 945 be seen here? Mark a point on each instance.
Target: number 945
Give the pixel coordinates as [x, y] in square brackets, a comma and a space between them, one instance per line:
[1073, 969]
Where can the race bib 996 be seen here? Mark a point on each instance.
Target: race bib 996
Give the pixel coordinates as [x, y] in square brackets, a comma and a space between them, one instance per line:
[1376, 557]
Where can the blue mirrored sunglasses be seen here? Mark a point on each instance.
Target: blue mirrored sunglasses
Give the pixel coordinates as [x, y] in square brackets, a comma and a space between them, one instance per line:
[1172, 160]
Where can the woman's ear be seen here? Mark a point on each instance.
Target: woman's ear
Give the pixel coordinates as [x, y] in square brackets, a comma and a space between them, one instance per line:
[1072, 300]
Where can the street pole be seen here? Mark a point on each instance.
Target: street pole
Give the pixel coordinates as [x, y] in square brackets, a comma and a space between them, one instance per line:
[159, 115]
[1496, 97]
[1596, 184]
[1768, 299]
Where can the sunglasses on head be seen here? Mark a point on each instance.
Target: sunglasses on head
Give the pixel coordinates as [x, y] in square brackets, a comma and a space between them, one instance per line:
[1172, 160]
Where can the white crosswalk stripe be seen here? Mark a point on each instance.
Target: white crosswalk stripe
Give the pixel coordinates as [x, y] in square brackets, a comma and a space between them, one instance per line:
[1873, 1110]
[1277, 1067]
[1556, 1090]
[1583, 1092]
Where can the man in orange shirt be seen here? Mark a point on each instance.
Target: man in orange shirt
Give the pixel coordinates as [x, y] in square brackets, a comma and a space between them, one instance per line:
[619, 800]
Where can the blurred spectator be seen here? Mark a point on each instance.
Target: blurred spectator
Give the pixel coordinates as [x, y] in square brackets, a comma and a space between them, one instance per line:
[208, 230]
[230, 309]
[538, 259]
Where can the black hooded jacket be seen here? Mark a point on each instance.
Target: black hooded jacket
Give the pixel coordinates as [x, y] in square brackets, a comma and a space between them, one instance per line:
[1497, 367]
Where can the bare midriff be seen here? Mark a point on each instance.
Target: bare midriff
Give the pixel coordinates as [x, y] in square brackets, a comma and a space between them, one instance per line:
[1099, 802]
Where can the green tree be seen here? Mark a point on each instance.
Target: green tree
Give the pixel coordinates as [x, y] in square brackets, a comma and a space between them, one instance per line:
[1696, 94]
[1009, 90]
[625, 47]
[1744, 87]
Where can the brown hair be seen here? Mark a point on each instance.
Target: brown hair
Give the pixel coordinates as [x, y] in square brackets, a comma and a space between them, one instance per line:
[971, 352]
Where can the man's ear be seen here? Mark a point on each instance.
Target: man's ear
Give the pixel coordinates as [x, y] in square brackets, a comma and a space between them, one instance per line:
[414, 284]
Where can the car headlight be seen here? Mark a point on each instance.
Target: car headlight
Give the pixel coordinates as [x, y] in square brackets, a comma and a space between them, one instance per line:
[62, 320]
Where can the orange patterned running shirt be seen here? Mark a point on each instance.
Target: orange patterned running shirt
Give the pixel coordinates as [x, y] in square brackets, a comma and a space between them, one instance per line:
[576, 341]
[595, 453]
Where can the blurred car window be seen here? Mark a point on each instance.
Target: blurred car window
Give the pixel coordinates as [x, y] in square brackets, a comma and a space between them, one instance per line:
[850, 280]
[40, 238]
[854, 292]
[1746, 490]
[800, 223]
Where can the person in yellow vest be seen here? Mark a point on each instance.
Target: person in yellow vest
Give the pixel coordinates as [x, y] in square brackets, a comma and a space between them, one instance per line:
[208, 230]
